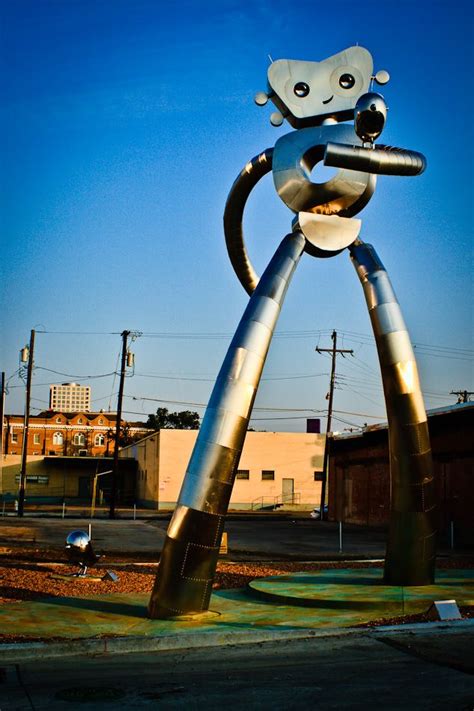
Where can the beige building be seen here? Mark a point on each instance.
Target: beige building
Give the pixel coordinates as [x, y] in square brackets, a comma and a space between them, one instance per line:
[70, 397]
[276, 468]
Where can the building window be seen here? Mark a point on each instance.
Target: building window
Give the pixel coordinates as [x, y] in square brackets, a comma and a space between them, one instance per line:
[318, 476]
[58, 419]
[242, 474]
[36, 439]
[99, 440]
[14, 437]
[268, 475]
[101, 421]
[58, 438]
[79, 440]
[79, 422]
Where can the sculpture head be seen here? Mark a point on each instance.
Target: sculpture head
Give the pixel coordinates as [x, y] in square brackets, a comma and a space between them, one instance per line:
[308, 93]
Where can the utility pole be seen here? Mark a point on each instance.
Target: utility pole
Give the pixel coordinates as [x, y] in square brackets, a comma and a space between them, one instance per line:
[113, 492]
[2, 412]
[26, 354]
[463, 395]
[334, 351]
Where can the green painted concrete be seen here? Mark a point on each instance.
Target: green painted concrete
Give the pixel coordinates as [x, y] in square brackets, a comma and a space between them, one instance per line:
[363, 589]
[344, 598]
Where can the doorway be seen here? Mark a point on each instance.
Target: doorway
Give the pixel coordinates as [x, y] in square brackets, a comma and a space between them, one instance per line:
[287, 491]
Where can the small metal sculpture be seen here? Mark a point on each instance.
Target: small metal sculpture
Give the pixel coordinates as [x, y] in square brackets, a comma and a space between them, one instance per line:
[79, 551]
[316, 98]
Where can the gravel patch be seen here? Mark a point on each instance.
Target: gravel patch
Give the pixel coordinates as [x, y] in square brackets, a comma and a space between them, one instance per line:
[38, 573]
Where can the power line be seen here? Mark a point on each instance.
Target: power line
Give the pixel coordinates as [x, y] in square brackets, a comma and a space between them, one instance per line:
[212, 380]
[77, 377]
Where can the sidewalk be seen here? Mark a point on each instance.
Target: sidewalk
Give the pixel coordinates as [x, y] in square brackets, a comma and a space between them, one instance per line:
[335, 602]
[116, 624]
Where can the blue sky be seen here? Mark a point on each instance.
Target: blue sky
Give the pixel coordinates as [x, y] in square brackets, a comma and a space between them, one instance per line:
[124, 124]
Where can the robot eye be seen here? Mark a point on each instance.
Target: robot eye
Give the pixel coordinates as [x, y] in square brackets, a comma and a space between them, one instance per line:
[346, 81]
[301, 89]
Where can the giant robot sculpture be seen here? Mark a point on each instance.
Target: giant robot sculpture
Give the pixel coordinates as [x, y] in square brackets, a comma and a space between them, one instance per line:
[337, 118]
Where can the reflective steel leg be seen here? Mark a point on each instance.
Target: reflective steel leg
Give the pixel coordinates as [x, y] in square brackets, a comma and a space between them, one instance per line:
[411, 546]
[189, 556]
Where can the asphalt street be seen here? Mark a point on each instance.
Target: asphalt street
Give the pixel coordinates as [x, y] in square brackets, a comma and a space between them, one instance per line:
[396, 670]
[265, 537]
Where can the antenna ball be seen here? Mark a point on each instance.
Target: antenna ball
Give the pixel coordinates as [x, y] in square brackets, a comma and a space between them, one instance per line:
[276, 119]
[382, 77]
[261, 98]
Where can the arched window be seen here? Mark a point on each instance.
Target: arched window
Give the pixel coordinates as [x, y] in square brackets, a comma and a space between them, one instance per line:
[99, 440]
[58, 419]
[79, 439]
[101, 421]
[58, 438]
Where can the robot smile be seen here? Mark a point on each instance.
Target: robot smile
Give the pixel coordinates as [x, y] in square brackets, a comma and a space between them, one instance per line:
[328, 100]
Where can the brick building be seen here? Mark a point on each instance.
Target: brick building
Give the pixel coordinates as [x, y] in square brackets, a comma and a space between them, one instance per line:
[67, 434]
[359, 476]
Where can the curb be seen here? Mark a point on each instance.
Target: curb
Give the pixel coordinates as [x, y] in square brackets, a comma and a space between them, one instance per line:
[106, 646]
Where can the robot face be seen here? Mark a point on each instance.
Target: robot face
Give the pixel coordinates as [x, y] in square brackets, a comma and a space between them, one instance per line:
[308, 92]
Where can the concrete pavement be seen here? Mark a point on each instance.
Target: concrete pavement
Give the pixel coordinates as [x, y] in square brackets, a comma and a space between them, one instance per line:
[426, 669]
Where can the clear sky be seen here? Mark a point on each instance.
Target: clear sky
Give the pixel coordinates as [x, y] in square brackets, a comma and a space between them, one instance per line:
[124, 124]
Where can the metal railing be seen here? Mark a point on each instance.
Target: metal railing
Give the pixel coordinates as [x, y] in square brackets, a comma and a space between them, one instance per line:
[274, 502]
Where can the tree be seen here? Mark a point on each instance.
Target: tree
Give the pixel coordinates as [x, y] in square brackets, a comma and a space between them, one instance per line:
[165, 420]
[125, 437]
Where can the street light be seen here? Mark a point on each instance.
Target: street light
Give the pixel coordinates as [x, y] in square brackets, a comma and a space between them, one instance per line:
[94, 489]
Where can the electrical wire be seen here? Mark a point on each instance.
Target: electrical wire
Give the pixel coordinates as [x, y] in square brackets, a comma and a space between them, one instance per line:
[212, 380]
[77, 377]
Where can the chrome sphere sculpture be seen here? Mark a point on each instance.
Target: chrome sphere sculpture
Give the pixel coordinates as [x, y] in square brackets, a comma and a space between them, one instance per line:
[79, 551]
[337, 118]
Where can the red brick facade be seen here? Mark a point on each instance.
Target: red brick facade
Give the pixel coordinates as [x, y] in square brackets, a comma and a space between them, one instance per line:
[70, 434]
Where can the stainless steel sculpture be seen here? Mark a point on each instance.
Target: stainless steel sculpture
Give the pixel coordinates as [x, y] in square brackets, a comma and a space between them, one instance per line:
[316, 98]
[79, 551]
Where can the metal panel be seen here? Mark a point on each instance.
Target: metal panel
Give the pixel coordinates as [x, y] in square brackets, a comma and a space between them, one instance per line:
[378, 289]
[411, 542]
[394, 347]
[252, 335]
[266, 310]
[387, 318]
[220, 426]
[241, 364]
[236, 397]
[189, 556]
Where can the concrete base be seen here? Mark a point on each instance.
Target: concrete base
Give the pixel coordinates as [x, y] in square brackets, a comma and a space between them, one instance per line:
[349, 591]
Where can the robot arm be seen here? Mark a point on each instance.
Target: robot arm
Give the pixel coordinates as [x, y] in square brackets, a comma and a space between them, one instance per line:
[233, 216]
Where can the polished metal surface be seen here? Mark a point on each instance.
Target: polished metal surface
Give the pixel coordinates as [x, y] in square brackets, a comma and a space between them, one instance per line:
[294, 157]
[247, 179]
[411, 551]
[314, 97]
[370, 115]
[327, 235]
[187, 563]
[380, 160]
[308, 92]
[79, 551]
[77, 541]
